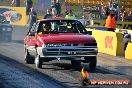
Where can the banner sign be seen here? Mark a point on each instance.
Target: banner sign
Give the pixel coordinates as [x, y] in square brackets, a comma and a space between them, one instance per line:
[109, 42]
[16, 15]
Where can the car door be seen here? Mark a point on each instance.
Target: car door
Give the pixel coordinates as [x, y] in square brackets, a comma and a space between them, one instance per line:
[30, 40]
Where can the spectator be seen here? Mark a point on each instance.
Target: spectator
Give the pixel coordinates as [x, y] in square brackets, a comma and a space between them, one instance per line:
[107, 9]
[33, 17]
[123, 16]
[111, 6]
[48, 14]
[57, 7]
[102, 11]
[29, 5]
[53, 3]
[129, 17]
[70, 15]
[122, 9]
[12, 2]
[111, 21]
[67, 7]
[17, 3]
[66, 12]
[53, 12]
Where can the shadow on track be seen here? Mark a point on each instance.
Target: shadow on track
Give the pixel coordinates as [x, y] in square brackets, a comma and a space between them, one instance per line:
[29, 71]
[68, 66]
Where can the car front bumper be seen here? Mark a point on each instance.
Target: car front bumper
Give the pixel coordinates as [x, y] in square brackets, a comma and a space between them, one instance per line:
[68, 51]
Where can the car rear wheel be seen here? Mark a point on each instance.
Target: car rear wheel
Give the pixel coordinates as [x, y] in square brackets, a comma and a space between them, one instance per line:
[28, 58]
[9, 39]
[75, 63]
[92, 63]
[38, 61]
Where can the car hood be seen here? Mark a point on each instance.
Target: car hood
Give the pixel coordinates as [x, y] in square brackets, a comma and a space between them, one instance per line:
[66, 38]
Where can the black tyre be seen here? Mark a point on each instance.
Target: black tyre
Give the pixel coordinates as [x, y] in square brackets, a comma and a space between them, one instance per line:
[28, 58]
[38, 61]
[75, 63]
[92, 63]
[9, 39]
[6, 39]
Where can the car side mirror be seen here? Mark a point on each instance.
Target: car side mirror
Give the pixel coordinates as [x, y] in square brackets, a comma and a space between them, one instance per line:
[89, 32]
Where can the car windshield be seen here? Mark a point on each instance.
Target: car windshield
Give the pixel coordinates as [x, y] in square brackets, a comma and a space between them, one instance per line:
[2, 19]
[61, 26]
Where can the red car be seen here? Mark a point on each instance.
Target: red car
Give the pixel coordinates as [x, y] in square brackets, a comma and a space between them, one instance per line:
[61, 39]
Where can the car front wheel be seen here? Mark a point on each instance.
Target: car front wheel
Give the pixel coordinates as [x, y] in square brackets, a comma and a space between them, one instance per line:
[92, 63]
[38, 61]
[75, 63]
[28, 58]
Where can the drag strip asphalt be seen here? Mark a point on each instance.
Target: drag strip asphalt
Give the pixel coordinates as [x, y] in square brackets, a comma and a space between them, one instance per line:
[55, 74]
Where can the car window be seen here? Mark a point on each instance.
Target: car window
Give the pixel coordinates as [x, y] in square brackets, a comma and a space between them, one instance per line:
[61, 26]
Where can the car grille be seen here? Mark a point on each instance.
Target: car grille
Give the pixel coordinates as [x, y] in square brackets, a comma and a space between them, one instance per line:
[70, 50]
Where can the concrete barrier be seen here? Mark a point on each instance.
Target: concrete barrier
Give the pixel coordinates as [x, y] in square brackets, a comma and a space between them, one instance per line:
[109, 42]
[119, 24]
[128, 52]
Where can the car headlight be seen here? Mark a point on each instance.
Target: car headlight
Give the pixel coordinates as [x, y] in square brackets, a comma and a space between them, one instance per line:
[43, 46]
[4, 29]
[96, 49]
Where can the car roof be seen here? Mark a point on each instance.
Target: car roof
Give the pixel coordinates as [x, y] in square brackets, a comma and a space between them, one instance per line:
[57, 18]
